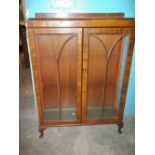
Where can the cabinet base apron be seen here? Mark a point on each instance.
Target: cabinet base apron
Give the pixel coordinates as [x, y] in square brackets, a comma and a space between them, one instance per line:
[44, 125]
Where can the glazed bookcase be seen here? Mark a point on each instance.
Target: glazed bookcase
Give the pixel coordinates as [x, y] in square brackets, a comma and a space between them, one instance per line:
[80, 65]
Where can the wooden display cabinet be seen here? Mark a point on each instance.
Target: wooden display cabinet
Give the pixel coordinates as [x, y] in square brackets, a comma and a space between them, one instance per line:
[81, 65]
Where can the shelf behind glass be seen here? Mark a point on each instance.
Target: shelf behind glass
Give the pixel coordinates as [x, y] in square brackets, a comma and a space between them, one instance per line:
[67, 114]
[99, 113]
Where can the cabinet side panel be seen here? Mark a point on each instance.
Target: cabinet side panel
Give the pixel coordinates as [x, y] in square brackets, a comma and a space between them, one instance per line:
[34, 71]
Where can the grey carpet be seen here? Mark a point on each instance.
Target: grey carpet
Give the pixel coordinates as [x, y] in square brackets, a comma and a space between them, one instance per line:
[77, 140]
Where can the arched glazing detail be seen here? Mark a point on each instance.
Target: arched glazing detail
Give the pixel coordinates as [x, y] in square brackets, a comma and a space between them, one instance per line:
[58, 76]
[111, 57]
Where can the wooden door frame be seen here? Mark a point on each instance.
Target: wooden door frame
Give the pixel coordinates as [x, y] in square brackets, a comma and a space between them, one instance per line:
[129, 31]
[31, 32]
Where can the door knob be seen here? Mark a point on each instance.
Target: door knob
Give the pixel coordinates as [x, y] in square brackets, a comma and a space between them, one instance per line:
[84, 70]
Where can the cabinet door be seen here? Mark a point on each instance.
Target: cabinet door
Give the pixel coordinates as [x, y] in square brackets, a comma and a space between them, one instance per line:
[104, 57]
[57, 75]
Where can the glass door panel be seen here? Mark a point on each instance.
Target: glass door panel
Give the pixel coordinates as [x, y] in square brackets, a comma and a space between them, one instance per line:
[106, 59]
[59, 62]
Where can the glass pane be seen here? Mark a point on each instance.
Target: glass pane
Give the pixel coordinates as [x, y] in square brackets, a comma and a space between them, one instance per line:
[58, 72]
[107, 54]
[120, 81]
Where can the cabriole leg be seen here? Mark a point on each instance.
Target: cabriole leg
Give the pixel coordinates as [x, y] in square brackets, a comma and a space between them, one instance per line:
[120, 126]
[41, 130]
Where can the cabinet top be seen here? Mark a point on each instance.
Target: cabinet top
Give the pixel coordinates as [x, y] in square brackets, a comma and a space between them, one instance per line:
[82, 16]
[80, 20]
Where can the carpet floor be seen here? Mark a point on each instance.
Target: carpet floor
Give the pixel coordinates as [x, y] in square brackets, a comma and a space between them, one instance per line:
[76, 140]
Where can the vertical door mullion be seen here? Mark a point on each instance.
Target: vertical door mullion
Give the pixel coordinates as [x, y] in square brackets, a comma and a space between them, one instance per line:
[84, 75]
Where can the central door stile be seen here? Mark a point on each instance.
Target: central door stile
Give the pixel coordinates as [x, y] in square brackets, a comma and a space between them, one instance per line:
[79, 75]
[84, 74]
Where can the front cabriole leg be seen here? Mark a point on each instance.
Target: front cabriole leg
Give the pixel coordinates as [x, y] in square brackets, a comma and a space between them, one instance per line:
[120, 126]
[41, 130]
